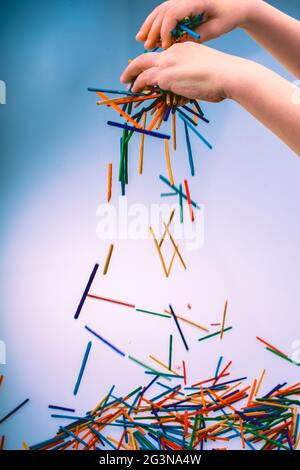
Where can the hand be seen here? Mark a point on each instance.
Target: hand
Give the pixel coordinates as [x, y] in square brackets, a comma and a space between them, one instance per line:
[187, 69]
[220, 16]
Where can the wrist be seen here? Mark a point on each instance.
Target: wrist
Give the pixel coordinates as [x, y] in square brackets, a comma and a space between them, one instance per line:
[252, 11]
[244, 76]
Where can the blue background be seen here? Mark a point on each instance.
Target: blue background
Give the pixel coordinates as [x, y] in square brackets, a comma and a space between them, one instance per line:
[54, 149]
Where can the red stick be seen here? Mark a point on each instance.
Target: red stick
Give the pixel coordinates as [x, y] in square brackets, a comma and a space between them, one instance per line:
[188, 196]
[110, 300]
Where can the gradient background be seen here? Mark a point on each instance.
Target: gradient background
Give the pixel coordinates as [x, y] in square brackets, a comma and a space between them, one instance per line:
[54, 149]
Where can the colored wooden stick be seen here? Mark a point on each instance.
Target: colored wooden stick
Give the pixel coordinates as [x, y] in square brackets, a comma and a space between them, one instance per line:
[108, 258]
[82, 368]
[86, 291]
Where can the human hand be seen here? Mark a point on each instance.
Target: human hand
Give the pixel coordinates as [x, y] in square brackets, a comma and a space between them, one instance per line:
[187, 69]
[220, 16]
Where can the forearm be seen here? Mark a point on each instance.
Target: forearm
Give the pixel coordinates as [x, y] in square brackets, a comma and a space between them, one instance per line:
[270, 99]
[276, 32]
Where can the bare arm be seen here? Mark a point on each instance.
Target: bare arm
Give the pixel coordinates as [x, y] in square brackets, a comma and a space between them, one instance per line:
[276, 32]
[196, 71]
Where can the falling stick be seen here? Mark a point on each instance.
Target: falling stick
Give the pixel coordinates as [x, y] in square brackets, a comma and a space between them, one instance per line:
[25, 446]
[62, 408]
[223, 319]
[283, 357]
[105, 341]
[158, 250]
[86, 291]
[252, 392]
[162, 364]
[179, 328]
[1, 379]
[170, 351]
[82, 368]
[142, 146]
[139, 130]
[105, 269]
[119, 302]
[152, 313]
[218, 366]
[270, 346]
[168, 162]
[109, 181]
[174, 136]
[187, 190]
[144, 366]
[190, 322]
[167, 225]
[192, 127]
[215, 334]
[120, 110]
[14, 411]
[260, 382]
[181, 203]
[165, 180]
[184, 372]
[175, 246]
[189, 149]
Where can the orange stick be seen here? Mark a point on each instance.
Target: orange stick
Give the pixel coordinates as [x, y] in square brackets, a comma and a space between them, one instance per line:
[156, 117]
[126, 100]
[120, 111]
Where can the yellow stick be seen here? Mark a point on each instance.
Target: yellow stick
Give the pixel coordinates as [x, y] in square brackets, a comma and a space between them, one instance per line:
[224, 318]
[162, 364]
[168, 224]
[175, 246]
[260, 382]
[171, 263]
[189, 321]
[158, 250]
[142, 146]
[168, 162]
[108, 258]
[174, 131]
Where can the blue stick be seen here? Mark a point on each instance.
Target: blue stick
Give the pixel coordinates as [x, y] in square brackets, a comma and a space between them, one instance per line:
[62, 408]
[196, 132]
[177, 190]
[189, 148]
[136, 129]
[104, 341]
[189, 31]
[84, 361]
[179, 328]
[86, 291]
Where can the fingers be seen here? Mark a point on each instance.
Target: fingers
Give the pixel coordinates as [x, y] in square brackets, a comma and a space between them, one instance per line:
[174, 14]
[145, 28]
[139, 65]
[147, 78]
[209, 30]
[153, 37]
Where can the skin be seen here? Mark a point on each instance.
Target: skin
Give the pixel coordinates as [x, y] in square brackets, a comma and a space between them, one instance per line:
[272, 29]
[196, 71]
